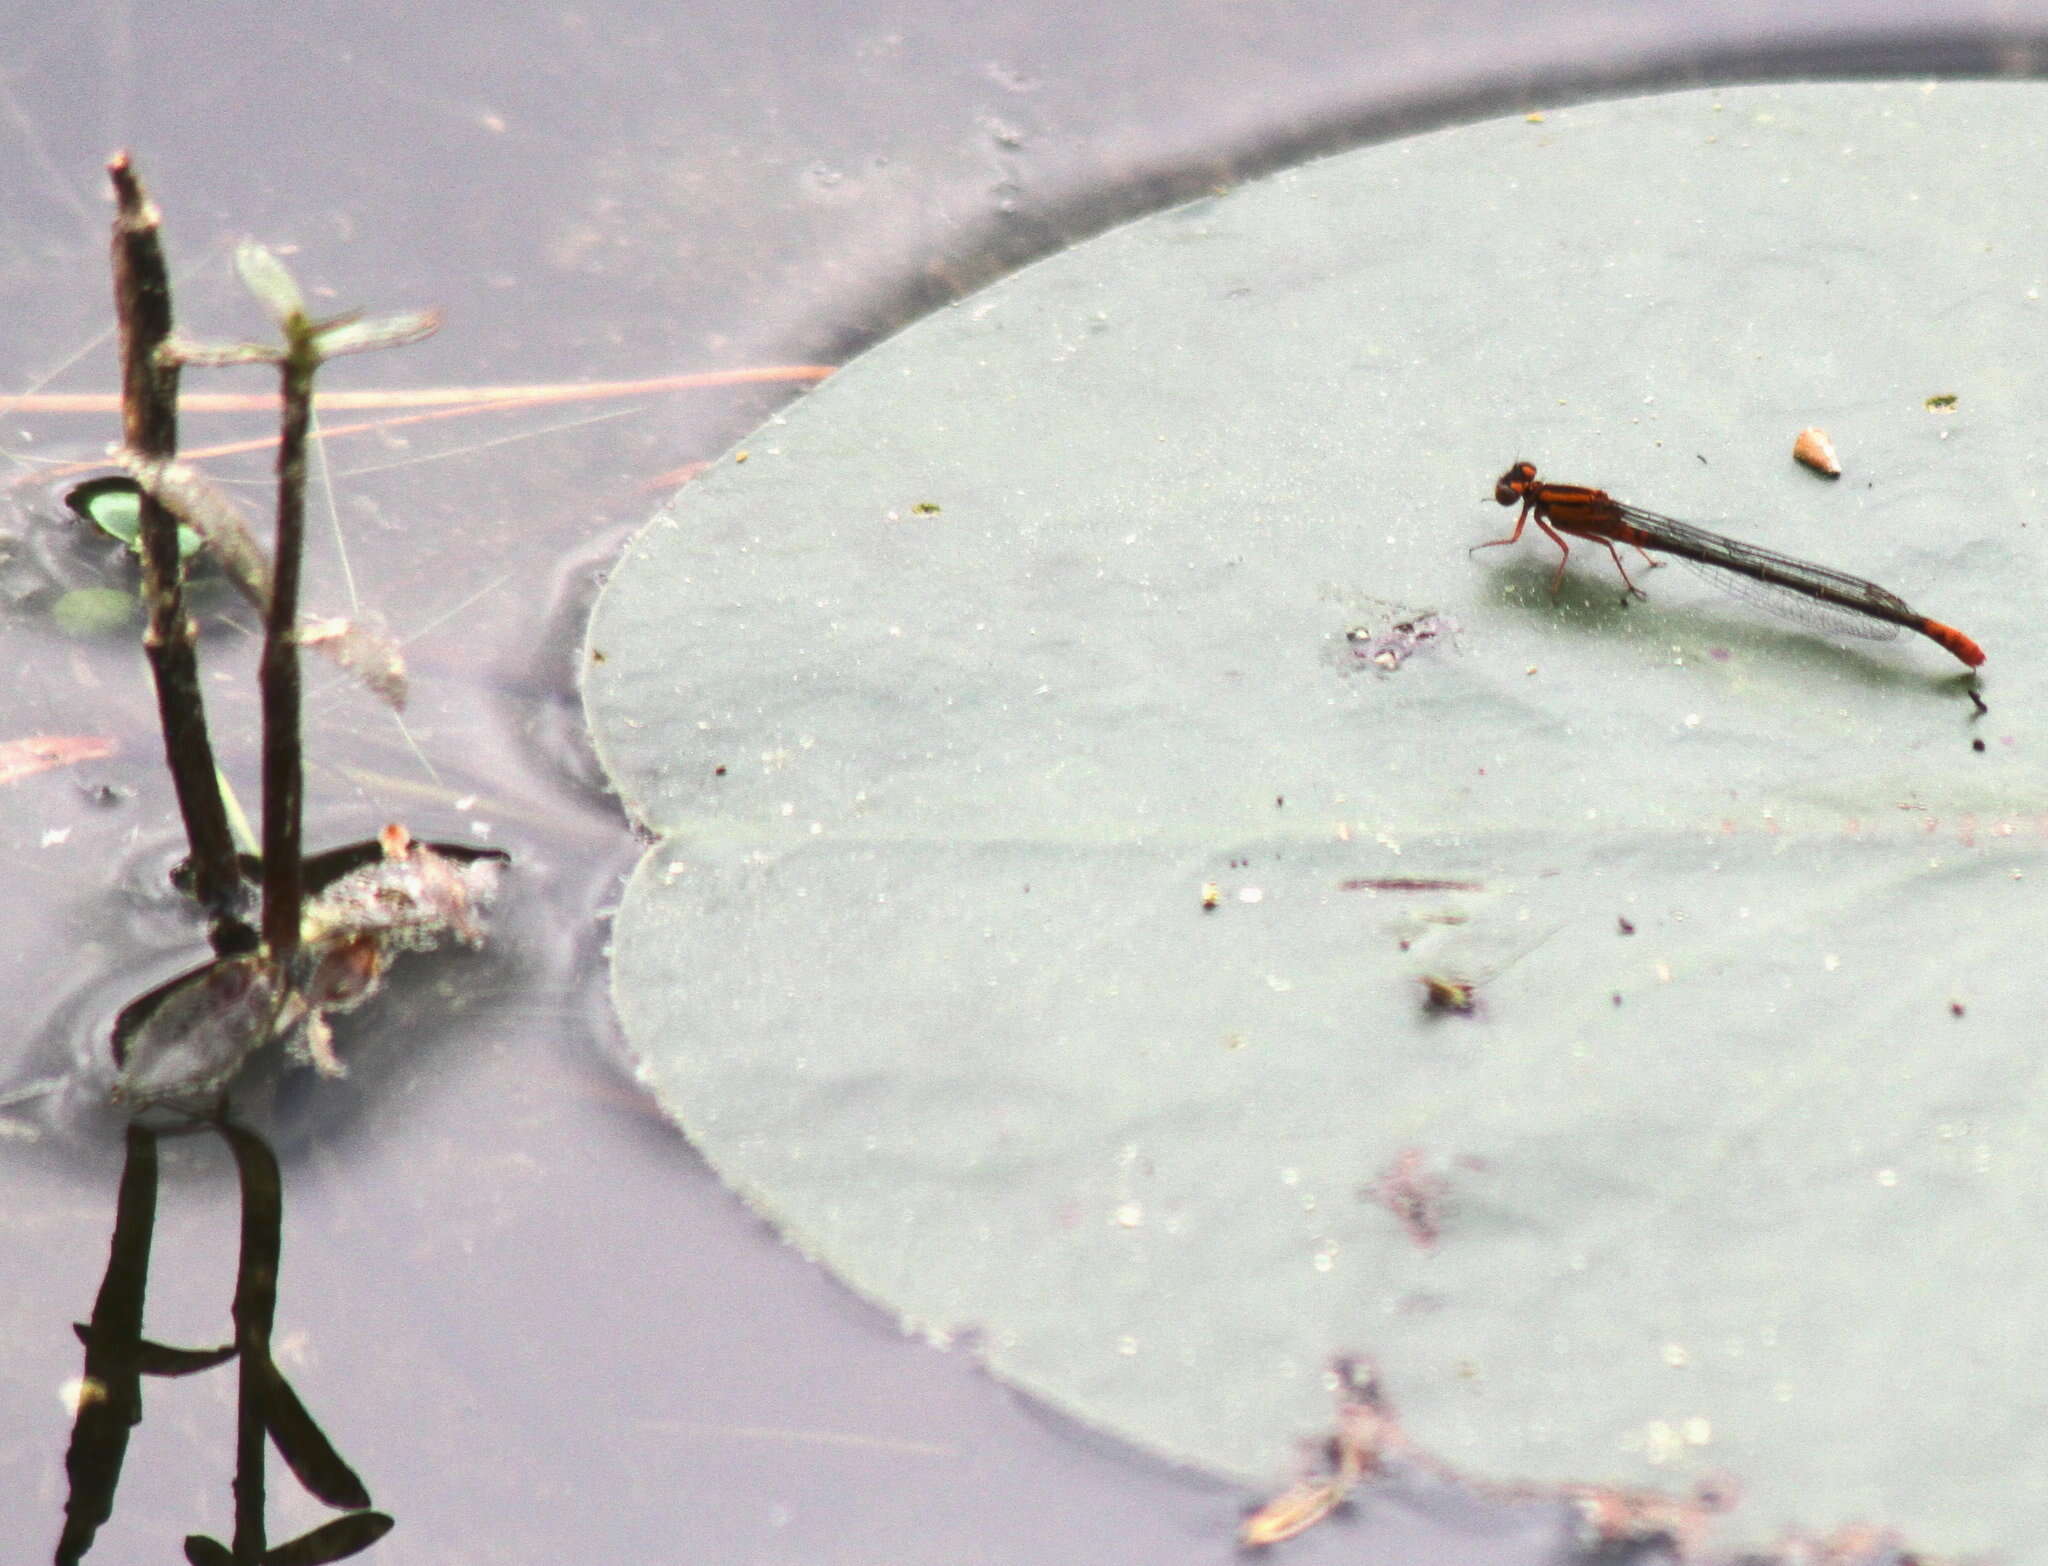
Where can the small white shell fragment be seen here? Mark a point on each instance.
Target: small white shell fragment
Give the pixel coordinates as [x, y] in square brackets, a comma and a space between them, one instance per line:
[1818, 452]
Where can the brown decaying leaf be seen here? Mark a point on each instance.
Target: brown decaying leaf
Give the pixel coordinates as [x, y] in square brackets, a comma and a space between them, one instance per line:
[360, 650]
[184, 1041]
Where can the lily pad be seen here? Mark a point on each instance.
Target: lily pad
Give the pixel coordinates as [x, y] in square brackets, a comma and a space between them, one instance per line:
[1076, 733]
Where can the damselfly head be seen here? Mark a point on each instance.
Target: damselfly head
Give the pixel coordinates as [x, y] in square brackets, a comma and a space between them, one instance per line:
[1513, 482]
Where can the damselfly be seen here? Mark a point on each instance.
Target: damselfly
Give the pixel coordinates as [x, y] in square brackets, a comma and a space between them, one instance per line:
[1832, 600]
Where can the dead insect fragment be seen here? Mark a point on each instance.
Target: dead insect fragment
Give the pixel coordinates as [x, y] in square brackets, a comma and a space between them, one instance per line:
[1408, 883]
[1610, 1516]
[1365, 1434]
[1441, 994]
[1816, 451]
[1294, 1511]
[1944, 403]
[1399, 642]
[1407, 1189]
[925, 508]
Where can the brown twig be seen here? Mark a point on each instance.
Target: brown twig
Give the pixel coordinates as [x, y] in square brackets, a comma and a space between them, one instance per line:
[149, 416]
[283, 762]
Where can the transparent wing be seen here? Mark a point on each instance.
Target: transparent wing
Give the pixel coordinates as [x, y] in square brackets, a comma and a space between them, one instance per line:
[1797, 590]
[1789, 604]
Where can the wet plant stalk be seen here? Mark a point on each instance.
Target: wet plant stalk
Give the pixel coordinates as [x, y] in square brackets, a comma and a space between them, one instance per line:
[149, 417]
[283, 766]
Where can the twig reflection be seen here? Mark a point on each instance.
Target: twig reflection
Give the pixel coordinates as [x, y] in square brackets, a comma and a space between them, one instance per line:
[118, 1356]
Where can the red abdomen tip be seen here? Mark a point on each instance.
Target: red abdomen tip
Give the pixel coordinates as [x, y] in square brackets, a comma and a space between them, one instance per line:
[1956, 642]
